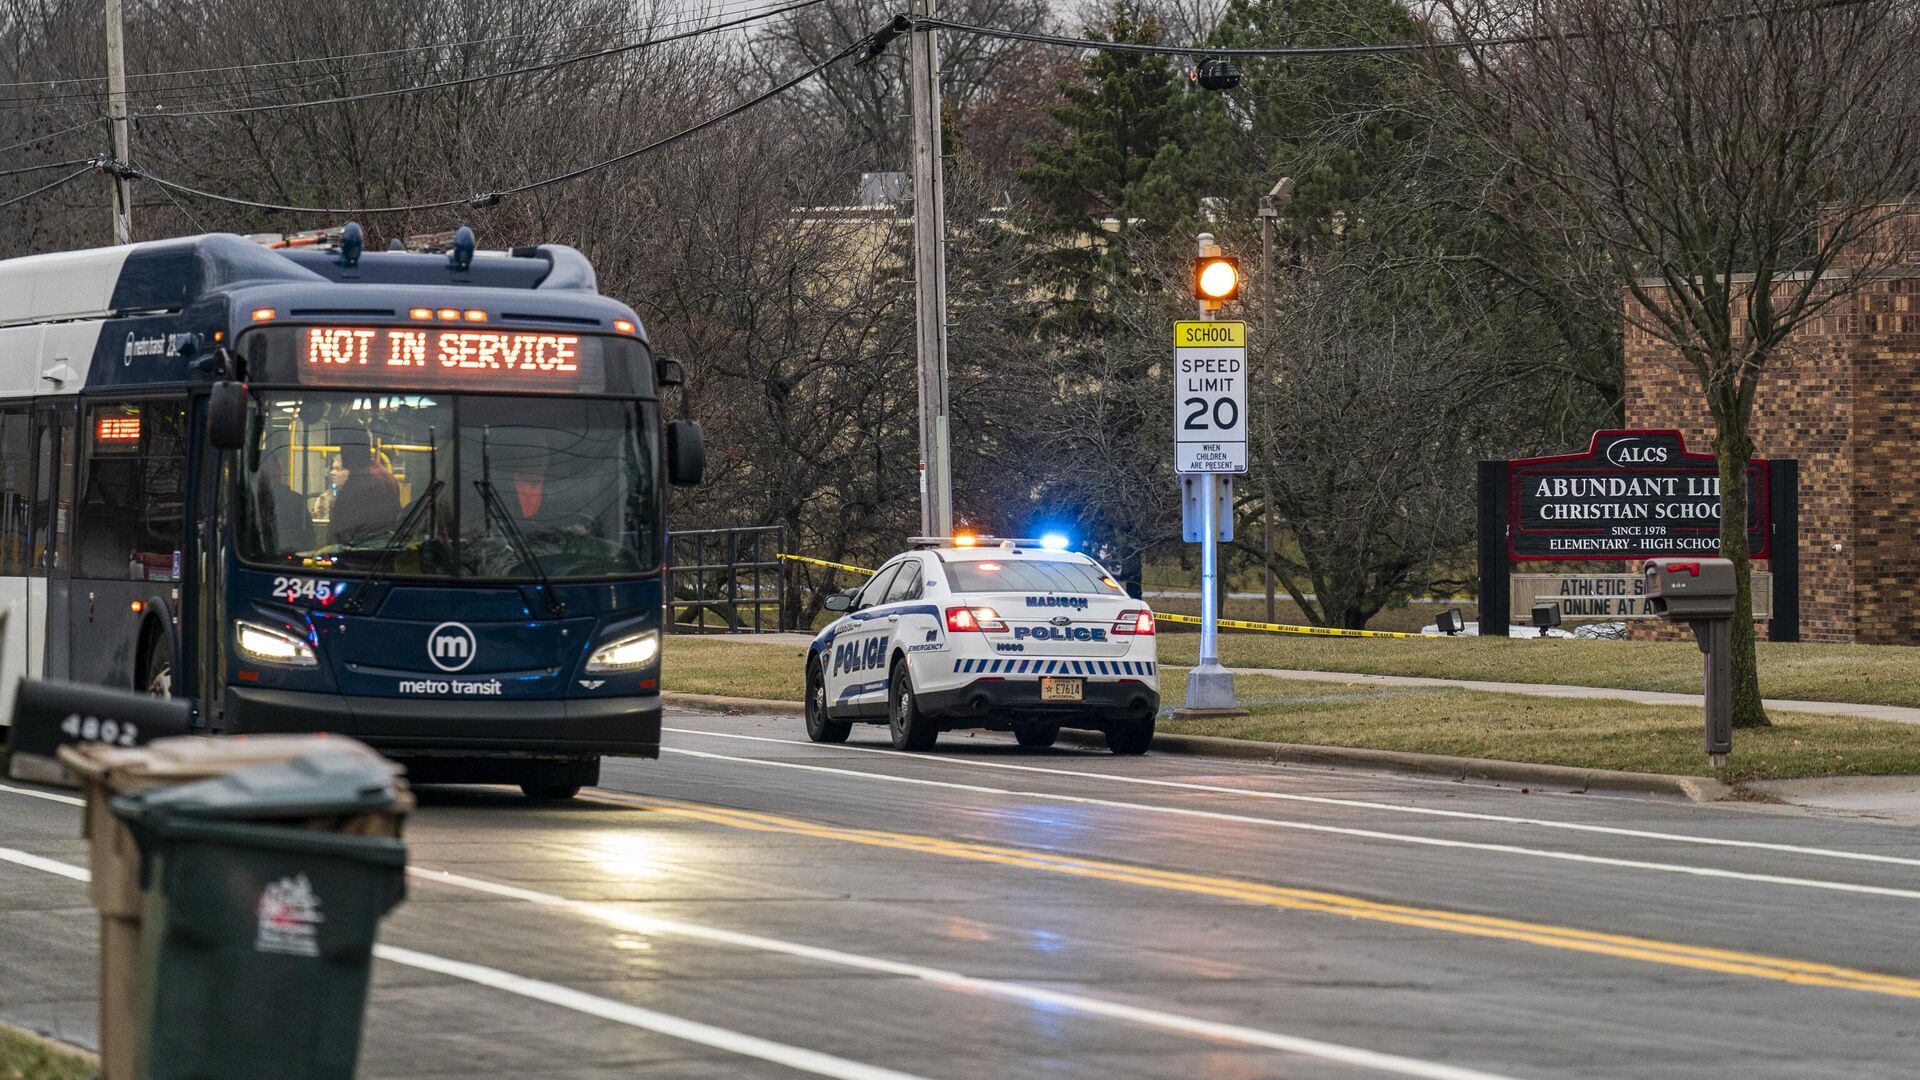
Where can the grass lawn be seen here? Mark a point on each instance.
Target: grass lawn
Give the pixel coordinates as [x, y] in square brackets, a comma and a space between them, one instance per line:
[704, 665]
[1586, 734]
[23, 1057]
[1864, 674]
[1407, 619]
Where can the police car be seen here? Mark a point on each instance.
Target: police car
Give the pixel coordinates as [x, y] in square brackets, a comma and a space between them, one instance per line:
[966, 632]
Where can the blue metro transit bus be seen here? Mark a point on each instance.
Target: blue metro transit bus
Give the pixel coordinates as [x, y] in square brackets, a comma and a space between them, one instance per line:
[413, 498]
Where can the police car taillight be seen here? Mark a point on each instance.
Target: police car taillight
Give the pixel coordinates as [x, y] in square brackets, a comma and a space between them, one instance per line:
[1134, 622]
[963, 620]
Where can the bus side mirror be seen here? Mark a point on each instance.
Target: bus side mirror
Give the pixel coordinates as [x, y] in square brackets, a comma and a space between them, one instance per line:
[686, 453]
[227, 416]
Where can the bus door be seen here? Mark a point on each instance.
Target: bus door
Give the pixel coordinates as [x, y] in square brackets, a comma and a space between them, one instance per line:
[204, 608]
[52, 514]
[16, 546]
[128, 547]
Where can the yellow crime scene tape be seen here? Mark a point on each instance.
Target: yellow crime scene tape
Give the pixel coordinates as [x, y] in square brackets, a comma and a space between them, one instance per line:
[822, 562]
[1279, 628]
[1230, 624]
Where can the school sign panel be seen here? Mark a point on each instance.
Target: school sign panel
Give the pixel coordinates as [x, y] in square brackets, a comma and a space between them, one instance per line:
[1632, 495]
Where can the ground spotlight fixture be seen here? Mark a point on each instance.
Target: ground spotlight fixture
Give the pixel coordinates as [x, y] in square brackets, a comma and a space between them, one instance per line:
[1546, 617]
[1450, 623]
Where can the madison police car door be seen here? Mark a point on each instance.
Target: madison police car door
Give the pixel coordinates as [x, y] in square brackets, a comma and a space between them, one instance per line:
[857, 667]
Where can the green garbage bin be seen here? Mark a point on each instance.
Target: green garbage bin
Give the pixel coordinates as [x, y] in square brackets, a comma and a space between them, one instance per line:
[258, 934]
[104, 772]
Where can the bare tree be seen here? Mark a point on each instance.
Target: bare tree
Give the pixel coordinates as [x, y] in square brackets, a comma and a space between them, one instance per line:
[1733, 163]
[866, 105]
[1385, 379]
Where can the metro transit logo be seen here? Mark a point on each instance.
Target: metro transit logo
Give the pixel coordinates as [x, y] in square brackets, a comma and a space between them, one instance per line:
[451, 646]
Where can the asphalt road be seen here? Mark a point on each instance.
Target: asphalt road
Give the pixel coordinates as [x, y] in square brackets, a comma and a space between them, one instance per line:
[753, 905]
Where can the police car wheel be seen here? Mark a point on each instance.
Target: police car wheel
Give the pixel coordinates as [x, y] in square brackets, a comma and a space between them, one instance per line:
[820, 728]
[910, 728]
[1038, 735]
[1132, 737]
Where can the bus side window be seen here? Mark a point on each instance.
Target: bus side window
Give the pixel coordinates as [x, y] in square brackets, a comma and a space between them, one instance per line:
[16, 492]
[130, 516]
[52, 439]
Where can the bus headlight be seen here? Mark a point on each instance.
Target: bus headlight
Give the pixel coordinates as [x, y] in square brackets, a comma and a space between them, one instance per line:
[626, 654]
[269, 646]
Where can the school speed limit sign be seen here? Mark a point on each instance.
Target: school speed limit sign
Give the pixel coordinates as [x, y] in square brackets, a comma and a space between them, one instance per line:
[1209, 397]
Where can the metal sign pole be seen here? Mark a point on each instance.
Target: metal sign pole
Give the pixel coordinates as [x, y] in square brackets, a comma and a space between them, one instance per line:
[1209, 685]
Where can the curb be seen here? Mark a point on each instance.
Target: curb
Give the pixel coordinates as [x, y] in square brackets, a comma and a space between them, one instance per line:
[736, 706]
[56, 1047]
[1553, 777]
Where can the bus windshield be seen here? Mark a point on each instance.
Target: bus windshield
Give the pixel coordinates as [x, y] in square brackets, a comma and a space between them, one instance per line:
[451, 486]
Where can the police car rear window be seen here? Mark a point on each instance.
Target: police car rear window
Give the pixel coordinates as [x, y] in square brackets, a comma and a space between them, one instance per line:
[1026, 575]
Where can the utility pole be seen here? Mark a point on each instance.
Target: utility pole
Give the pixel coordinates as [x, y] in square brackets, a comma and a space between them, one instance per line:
[930, 277]
[1270, 289]
[117, 115]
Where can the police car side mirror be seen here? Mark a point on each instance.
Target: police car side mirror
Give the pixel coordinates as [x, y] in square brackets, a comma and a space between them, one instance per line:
[227, 415]
[686, 453]
[839, 601]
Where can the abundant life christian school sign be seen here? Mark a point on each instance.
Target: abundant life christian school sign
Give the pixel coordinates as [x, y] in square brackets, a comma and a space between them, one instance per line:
[1632, 495]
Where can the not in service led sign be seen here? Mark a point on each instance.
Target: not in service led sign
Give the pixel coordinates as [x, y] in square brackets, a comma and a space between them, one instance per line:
[368, 354]
[116, 429]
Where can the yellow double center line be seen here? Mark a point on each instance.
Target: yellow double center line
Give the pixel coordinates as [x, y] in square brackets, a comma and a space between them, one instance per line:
[1673, 954]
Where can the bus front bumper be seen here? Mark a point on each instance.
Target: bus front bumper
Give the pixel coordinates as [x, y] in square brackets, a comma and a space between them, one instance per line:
[404, 727]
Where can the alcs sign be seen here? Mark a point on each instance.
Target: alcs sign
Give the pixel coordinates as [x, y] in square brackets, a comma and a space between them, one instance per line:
[1632, 495]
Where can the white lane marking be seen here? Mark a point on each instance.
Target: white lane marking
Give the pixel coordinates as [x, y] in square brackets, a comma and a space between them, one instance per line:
[47, 795]
[1337, 830]
[40, 862]
[793, 1057]
[953, 980]
[1328, 800]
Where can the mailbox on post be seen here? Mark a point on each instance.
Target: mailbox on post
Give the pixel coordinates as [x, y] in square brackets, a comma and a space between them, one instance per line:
[1686, 590]
[1702, 594]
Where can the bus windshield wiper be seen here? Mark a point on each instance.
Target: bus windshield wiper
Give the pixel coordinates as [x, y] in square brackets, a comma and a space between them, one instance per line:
[401, 532]
[496, 509]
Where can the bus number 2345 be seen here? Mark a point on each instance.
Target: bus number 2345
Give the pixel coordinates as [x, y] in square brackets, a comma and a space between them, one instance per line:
[299, 588]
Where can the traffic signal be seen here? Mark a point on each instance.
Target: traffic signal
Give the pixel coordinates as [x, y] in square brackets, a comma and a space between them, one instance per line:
[1215, 74]
[1216, 278]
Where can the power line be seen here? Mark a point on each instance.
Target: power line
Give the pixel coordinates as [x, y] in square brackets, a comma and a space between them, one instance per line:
[79, 79]
[1057, 41]
[471, 79]
[701, 126]
[491, 198]
[298, 60]
[49, 165]
[47, 187]
[394, 69]
[87, 123]
[923, 25]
